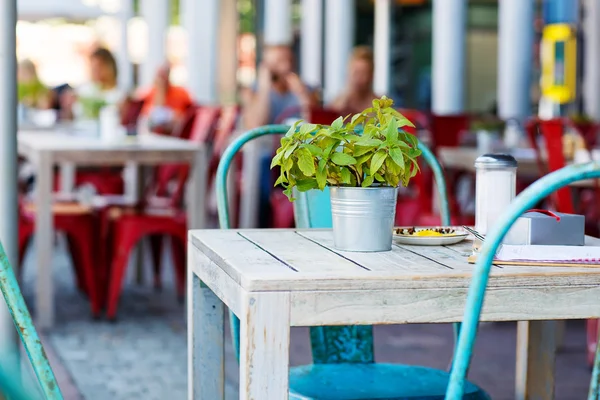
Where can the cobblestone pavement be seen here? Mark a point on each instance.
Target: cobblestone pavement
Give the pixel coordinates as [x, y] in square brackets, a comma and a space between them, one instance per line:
[143, 355]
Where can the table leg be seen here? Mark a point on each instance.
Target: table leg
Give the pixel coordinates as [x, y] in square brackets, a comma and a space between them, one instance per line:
[44, 239]
[264, 346]
[206, 343]
[536, 352]
[67, 178]
[249, 203]
[197, 191]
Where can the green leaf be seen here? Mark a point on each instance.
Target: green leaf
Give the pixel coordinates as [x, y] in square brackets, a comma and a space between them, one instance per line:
[306, 184]
[343, 159]
[307, 128]
[314, 150]
[306, 162]
[392, 167]
[321, 178]
[361, 150]
[378, 160]
[278, 157]
[346, 175]
[293, 128]
[357, 119]
[290, 150]
[289, 192]
[338, 123]
[368, 181]
[280, 180]
[391, 132]
[379, 178]
[369, 141]
[397, 156]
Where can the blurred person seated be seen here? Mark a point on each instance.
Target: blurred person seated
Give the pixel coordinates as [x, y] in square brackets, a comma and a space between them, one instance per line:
[164, 104]
[31, 92]
[86, 100]
[359, 87]
[278, 90]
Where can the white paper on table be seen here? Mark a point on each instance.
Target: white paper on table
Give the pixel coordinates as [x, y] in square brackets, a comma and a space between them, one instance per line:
[567, 254]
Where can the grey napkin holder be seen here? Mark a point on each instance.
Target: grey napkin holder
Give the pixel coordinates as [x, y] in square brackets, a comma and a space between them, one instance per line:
[547, 228]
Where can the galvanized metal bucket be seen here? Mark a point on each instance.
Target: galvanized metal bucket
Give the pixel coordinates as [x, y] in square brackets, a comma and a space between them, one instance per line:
[363, 218]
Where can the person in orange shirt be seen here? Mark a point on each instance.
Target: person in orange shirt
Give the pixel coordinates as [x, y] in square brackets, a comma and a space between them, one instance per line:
[165, 104]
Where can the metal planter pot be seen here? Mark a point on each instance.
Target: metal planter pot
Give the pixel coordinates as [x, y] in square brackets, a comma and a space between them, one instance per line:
[363, 218]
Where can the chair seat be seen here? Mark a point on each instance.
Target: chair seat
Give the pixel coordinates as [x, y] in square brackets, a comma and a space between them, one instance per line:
[373, 382]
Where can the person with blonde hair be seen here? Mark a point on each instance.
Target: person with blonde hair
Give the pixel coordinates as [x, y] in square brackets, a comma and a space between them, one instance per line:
[358, 94]
[31, 92]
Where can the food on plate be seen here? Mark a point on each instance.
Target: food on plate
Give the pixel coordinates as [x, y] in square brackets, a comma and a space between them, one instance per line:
[425, 231]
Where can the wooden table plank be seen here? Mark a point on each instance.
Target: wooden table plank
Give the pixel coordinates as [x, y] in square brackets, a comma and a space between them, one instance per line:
[304, 255]
[398, 260]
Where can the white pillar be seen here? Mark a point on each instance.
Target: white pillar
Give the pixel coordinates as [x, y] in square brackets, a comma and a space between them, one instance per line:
[157, 15]
[201, 21]
[339, 40]
[311, 42]
[383, 22]
[591, 78]
[124, 63]
[515, 57]
[278, 22]
[8, 159]
[448, 61]
[228, 47]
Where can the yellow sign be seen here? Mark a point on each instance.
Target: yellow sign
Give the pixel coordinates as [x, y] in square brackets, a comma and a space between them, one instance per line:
[559, 62]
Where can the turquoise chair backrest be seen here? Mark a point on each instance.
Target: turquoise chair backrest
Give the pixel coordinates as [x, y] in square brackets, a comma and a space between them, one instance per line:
[29, 337]
[526, 200]
[313, 210]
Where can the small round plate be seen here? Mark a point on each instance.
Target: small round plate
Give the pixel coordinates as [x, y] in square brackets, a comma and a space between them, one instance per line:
[457, 236]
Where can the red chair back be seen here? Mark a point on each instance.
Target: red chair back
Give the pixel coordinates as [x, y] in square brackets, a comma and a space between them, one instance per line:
[552, 132]
[588, 131]
[131, 112]
[322, 116]
[198, 126]
[447, 130]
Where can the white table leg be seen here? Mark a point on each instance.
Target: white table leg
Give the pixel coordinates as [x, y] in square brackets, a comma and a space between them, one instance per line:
[197, 191]
[264, 346]
[536, 352]
[249, 203]
[206, 343]
[67, 178]
[131, 178]
[44, 239]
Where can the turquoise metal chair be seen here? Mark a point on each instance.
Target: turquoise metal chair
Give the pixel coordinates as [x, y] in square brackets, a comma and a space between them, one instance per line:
[343, 362]
[541, 189]
[29, 337]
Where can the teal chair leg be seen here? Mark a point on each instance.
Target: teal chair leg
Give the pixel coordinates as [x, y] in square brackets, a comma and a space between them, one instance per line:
[24, 324]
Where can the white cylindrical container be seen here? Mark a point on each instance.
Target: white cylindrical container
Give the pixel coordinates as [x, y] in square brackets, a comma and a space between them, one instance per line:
[111, 130]
[495, 188]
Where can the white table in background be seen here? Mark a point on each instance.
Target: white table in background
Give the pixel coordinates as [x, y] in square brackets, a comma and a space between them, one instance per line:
[463, 158]
[274, 279]
[45, 150]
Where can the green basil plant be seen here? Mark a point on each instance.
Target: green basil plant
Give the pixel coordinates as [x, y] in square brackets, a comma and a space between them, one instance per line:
[368, 149]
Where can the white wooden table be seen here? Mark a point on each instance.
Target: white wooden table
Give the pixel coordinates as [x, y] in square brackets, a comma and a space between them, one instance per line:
[274, 279]
[45, 150]
[463, 158]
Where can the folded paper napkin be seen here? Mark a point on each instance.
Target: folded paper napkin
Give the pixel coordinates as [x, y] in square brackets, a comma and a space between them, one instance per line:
[588, 254]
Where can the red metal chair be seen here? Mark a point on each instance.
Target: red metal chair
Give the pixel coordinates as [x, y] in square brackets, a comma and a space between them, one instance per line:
[200, 124]
[125, 227]
[80, 226]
